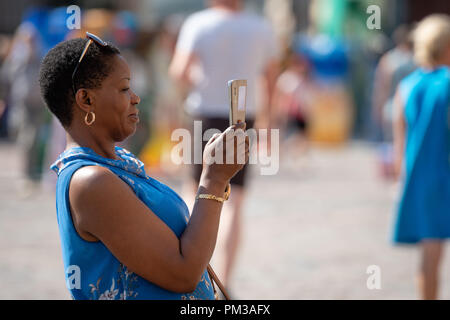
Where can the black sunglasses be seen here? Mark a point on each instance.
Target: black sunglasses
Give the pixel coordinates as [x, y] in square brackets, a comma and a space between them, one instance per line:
[91, 38]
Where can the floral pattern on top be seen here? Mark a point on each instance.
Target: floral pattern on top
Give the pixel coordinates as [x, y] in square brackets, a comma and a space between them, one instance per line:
[127, 283]
[199, 292]
[127, 161]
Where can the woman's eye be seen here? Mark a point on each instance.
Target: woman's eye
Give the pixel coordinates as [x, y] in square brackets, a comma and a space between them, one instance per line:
[126, 89]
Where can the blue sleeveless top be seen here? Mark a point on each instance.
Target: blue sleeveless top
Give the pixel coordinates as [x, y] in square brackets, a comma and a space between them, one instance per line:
[91, 270]
[424, 208]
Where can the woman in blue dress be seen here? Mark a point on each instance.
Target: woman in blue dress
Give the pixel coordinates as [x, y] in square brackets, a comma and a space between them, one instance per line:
[422, 150]
[124, 235]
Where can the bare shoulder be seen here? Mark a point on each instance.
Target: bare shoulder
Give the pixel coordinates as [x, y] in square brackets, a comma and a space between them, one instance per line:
[95, 180]
[93, 194]
[89, 177]
[91, 185]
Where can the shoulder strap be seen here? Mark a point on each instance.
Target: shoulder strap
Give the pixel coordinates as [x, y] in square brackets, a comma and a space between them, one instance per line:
[215, 279]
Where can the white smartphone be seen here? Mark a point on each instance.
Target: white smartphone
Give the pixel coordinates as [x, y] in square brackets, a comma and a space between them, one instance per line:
[237, 92]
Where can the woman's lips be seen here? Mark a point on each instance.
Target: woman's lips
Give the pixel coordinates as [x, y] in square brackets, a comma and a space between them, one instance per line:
[134, 117]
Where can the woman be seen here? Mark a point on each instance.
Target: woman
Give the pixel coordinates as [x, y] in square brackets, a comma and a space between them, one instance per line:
[124, 235]
[421, 144]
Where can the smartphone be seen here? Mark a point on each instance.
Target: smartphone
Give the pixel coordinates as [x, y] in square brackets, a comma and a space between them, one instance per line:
[237, 92]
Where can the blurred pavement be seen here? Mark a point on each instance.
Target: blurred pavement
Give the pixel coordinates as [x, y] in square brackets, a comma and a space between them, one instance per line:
[311, 231]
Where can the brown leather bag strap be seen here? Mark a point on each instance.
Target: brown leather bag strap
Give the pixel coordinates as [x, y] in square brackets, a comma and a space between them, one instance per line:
[215, 279]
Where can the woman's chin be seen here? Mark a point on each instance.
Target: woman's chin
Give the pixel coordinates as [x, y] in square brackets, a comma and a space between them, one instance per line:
[131, 132]
[125, 134]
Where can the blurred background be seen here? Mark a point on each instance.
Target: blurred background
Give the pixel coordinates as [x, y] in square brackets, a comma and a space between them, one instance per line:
[310, 231]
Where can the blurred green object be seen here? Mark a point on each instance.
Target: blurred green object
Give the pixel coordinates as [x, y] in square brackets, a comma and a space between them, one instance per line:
[345, 18]
[329, 16]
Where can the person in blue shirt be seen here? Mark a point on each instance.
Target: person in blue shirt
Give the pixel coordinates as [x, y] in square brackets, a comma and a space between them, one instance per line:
[422, 150]
[124, 235]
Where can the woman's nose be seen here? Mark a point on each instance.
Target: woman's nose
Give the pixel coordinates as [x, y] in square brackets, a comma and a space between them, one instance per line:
[135, 99]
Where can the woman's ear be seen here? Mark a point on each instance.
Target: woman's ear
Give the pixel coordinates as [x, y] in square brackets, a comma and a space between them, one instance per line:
[84, 100]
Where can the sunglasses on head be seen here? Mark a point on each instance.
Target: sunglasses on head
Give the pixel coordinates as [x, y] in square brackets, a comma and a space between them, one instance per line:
[91, 38]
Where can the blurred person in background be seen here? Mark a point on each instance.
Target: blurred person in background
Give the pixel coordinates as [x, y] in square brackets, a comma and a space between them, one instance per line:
[393, 66]
[292, 102]
[219, 44]
[27, 116]
[330, 114]
[421, 150]
[166, 102]
[5, 44]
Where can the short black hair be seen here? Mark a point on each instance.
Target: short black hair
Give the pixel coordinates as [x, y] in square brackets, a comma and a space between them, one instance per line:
[55, 76]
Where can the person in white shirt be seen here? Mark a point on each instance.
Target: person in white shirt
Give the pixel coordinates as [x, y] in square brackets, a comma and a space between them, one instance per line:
[215, 45]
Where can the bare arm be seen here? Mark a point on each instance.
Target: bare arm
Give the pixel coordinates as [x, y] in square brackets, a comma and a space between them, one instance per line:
[266, 116]
[180, 68]
[399, 132]
[381, 90]
[105, 207]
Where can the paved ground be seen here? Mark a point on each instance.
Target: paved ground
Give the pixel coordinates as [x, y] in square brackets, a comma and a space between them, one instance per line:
[310, 233]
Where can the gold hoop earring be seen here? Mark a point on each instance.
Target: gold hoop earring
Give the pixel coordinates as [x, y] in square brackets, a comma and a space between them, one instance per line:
[86, 118]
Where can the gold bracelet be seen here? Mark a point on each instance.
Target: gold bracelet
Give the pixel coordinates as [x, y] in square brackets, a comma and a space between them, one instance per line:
[210, 197]
[213, 197]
